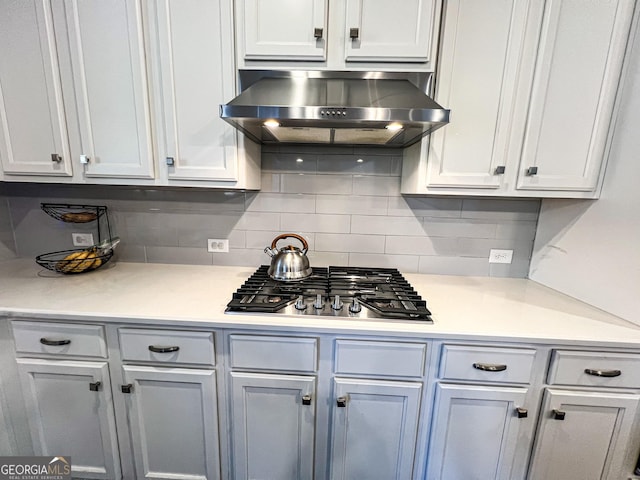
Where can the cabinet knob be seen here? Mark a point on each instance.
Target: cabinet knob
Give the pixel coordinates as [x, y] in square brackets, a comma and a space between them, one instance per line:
[500, 170]
[558, 414]
[354, 33]
[170, 161]
[84, 159]
[531, 171]
[55, 158]
[317, 33]
[306, 399]
[95, 386]
[126, 388]
[602, 373]
[489, 367]
[522, 412]
[341, 401]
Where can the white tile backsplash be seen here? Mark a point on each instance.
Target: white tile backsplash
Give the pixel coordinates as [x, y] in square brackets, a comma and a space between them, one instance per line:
[350, 212]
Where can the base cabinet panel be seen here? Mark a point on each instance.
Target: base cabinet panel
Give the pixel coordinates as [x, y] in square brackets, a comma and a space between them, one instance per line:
[173, 417]
[273, 426]
[474, 433]
[67, 417]
[375, 426]
[583, 435]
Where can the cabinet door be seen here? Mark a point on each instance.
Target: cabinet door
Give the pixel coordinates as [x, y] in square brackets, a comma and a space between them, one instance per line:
[110, 75]
[173, 419]
[32, 115]
[383, 31]
[194, 74]
[375, 426]
[283, 29]
[474, 432]
[580, 55]
[583, 436]
[273, 430]
[480, 52]
[66, 417]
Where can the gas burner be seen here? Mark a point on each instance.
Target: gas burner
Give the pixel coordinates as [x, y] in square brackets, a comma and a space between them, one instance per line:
[272, 299]
[363, 293]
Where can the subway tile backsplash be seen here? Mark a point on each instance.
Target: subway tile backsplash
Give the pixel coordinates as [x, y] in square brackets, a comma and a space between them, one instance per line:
[345, 201]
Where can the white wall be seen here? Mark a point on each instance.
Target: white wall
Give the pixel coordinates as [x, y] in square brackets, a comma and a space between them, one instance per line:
[591, 249]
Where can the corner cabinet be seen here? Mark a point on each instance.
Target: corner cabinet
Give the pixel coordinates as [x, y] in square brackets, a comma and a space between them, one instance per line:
[125, 92]
[532, 88]
[336, 34]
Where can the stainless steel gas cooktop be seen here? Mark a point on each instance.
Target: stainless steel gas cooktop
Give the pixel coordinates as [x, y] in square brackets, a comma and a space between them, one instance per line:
[349, 292]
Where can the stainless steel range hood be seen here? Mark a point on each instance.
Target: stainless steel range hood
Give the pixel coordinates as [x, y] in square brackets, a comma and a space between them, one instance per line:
[389, 109]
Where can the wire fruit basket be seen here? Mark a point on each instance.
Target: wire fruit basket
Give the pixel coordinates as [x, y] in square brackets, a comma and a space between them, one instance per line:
[79, 260]
[75, 261]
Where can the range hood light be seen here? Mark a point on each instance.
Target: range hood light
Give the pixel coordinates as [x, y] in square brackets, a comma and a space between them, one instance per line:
[271, 123]
[394, 127]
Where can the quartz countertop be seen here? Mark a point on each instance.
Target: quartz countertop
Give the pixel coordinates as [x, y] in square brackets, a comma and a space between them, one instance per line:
[477, 308]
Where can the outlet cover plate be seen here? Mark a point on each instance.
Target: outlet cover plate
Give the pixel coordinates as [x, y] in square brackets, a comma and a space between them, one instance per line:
[82, 239]
[500, 256]
[217, 245]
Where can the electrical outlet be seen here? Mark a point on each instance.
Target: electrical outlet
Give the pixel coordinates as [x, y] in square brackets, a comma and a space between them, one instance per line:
[217, 245]
[82, 239]
[500, 256]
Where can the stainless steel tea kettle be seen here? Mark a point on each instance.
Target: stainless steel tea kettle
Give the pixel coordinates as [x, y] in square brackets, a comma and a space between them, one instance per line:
[288, 264]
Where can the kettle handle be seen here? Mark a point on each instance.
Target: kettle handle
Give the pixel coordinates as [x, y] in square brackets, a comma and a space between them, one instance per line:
[305, 245]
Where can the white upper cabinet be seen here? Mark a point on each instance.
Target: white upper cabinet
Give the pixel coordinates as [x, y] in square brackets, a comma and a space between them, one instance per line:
[337, 34]
[194, 73]
[283, 29]
[532, 88]
[110, 77]
[124, 91]
[475, 80]
[33, 129]
[577, 73]
[384, 31]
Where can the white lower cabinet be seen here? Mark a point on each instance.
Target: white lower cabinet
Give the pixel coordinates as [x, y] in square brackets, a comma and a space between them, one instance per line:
[474, 432]
[70, 412]
[273, 426]
[583, 435]
[173, 422]
[375, 425]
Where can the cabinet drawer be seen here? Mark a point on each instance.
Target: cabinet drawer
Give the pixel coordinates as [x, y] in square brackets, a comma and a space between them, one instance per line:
[388, 359]
[167, 346]
[605, 369]
[65, 339]
[274, 353]
[486, 364]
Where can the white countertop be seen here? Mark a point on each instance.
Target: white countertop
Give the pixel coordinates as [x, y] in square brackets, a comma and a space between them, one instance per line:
[476, 308]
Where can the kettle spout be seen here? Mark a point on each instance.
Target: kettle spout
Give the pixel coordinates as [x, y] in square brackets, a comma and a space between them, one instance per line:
[270, 252]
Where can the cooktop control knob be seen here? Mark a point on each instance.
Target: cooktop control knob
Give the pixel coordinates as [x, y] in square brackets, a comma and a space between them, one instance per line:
[318, 304]
[355, 307]
[337, 304]
[300, 305]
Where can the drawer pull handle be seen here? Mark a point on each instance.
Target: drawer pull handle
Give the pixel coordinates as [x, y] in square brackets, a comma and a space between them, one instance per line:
[558, 414]
[306, 399]
[54, 343]
[95, 386]
[522, 412]
[489, 367]
[341, 402]
[126, 388]
[156, 349]
[603, 373]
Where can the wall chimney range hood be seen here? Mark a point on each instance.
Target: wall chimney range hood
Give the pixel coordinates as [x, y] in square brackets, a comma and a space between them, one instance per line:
[386, 109]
